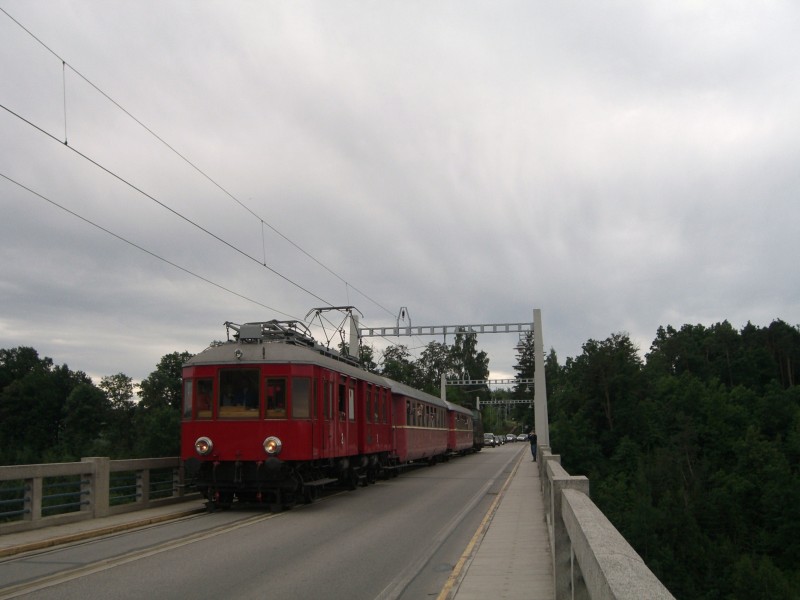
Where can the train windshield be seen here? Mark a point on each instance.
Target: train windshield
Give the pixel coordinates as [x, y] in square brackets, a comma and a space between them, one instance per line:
[276, 398]
[238, 394]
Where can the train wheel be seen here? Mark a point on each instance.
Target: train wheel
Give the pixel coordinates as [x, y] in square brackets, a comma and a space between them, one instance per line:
[351, 479]
[310, 493]
[224, 500]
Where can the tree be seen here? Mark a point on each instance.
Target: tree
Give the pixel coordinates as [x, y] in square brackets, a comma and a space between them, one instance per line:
[120, 432]
[158, 432]
[32, 405]
[607, 381]
[119, 391]
[86, 413]
[164, 386]
[15, 363]
[466, 362]
[366, 358]
[397, 364]
[432, 364]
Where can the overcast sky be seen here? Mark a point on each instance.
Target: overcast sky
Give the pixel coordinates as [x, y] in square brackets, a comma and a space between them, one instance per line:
[619, 165]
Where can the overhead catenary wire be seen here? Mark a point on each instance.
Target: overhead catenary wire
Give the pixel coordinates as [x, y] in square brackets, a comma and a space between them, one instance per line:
[165, 206]
[186, 160]
[262, 221]
[141, 248]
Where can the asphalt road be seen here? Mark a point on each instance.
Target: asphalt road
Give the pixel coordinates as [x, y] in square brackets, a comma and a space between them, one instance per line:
[397, 539]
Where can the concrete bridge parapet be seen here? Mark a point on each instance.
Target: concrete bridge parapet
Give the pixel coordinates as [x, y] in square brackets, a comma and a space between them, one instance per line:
[591, 559]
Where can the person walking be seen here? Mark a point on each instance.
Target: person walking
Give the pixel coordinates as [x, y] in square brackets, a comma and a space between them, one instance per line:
[532, 439]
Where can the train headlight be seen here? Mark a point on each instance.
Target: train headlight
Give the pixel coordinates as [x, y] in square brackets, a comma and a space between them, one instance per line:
[272, 446]
[203, 446]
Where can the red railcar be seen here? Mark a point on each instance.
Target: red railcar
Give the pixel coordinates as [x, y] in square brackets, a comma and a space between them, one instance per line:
[271, 416]
[420, 424]
[460, 427]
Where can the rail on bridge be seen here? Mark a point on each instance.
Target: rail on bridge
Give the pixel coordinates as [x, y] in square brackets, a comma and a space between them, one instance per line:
[34, 496]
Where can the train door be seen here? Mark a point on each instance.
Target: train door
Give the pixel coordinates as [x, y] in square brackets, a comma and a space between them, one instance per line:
[367, 420]
[328, 422]
[340, 417]
[346, 432]
[355, 407]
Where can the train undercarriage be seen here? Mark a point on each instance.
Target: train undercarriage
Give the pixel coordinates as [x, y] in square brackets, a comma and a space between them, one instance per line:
[282, 484]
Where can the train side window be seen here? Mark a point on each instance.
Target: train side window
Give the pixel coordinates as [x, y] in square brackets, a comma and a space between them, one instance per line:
[275, 398]
[202, 400]
[238, 393]
[187, 399]
[301, 398]
[351, 404]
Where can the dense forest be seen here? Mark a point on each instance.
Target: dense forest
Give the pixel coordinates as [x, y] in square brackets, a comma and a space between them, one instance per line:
[49, 413]
[692, 450]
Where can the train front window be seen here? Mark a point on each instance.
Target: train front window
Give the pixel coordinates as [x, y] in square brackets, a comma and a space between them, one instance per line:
[276, 398]
[187, 399]
[238, 393]
[202, 398]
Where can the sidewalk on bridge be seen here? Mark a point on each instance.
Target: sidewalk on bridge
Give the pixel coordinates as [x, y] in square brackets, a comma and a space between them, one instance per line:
[509, 557]
[54, 535]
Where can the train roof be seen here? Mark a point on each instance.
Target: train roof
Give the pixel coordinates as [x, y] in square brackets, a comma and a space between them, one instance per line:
[459, 408]
[274, 342]
[407, 390]
[236, 352]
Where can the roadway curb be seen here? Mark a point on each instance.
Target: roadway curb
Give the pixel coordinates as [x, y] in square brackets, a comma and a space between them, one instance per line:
[91, 533]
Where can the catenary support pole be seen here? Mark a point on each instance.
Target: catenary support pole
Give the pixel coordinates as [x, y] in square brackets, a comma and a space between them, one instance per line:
[541, 422]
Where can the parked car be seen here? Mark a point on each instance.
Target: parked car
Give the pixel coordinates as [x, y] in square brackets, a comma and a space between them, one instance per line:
[489, 439]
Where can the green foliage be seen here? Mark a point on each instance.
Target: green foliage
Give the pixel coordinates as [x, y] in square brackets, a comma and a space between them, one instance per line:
[85, 416]
[397, 364]
[460, 361]
[158, 432]
[366, 358]
[164, 387]
[693, 454]
[49, 413]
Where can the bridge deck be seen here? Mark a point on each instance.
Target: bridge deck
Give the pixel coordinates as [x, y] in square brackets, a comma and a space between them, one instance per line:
[508, 557]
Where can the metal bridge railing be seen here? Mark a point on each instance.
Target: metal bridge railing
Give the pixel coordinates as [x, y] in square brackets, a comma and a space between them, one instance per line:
[33, 496]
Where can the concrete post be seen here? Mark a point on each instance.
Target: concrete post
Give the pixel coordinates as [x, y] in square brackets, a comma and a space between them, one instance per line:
[143, 486]
[33, 499]
[177, 481]
[562, 548]
[99, 480]
[540, 418]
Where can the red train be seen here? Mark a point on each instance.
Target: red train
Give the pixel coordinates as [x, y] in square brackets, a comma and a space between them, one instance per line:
[271, 416]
